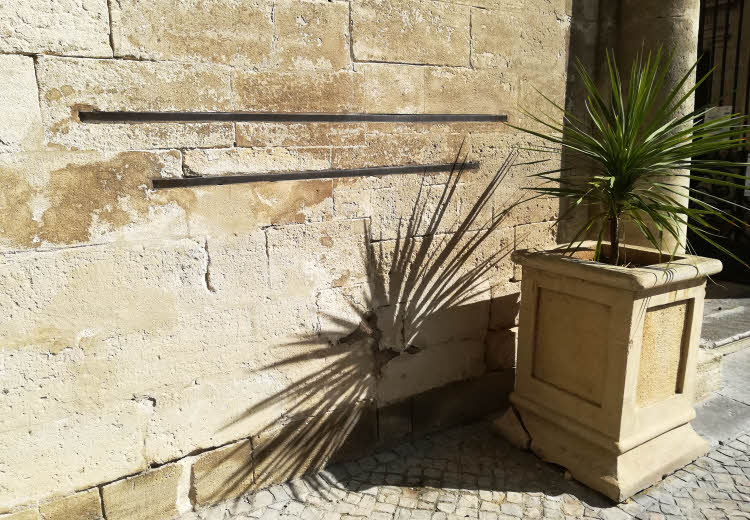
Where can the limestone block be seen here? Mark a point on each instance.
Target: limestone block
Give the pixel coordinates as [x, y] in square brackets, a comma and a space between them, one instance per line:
[409, 206]
[437, 365]
[511, 198]
[70, 27]
[530, 236]
[28, 514]
[394, 421]
[293, 447]
[311, 35]
[501, 349]
[461, 402]
[221, 31]
[222, 474]
[151, 495]
[69, 85]
[305, 259]
[390, 323]
[513, 38]
[68, 453]
[469, 91]
[383, 149]
[243, 208]
[509, 427]
[300, 134]
[193, 416]
[393, 88]
[129, 305]
[313, 91]
[237, 266]
[249, 160]
[505, 300]
[431, 275]
[64, 198]
[539, 235]
[85, 505]
[560, 7]
[496, 37]
[21, 124]
[352, 198]
[423, 32]
[430, 322]
[341, 310]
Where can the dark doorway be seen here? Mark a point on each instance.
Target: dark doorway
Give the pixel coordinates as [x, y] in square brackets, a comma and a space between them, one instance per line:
[724, 45]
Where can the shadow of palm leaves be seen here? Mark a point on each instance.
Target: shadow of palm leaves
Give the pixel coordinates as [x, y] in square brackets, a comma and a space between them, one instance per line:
[329, 411]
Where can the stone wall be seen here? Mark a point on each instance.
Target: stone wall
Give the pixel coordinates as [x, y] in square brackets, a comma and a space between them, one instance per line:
[162, 350]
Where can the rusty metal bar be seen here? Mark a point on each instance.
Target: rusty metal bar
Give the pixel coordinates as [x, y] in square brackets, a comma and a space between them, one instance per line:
[218, 180]
[281, 117]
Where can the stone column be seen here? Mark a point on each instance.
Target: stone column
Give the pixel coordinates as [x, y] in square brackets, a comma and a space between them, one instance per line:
[647, 25]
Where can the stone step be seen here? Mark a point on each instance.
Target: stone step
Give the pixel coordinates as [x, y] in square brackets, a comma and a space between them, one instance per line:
[726, 329]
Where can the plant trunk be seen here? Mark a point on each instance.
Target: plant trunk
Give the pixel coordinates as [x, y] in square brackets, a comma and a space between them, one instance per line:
[614, 240]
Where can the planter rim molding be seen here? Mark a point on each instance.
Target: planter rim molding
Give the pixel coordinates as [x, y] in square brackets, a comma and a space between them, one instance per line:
[680, 268]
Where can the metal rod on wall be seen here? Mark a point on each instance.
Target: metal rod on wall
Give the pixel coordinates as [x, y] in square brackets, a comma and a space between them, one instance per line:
[218, 180]
[282, 117]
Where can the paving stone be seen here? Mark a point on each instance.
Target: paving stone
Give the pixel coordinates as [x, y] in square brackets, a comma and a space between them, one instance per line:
[477, 476]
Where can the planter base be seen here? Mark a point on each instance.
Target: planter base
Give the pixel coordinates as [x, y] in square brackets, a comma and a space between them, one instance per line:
[599, 465]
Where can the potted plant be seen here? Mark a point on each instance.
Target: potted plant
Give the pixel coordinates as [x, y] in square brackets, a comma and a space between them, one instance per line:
[608, 332]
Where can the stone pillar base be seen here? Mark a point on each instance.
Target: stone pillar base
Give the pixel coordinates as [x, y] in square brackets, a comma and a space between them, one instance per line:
[600, 465]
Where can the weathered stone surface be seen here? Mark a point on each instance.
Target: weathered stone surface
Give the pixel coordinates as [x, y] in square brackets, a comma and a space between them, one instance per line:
[224, 31]
[85, 505]
[243, 208]
[152, 495]
[300, 134]
[455, 90]
[246, 160]
[69, 85]
[305, 259]
[402, 31]
[64, 198]
[68, 453]
[393, 88]
[222, 474]
[133, 295]
[322, 91]
[507, 37]
[311, 35]
[20, 126]
[28, 514]
[70, 27]
[382, 149]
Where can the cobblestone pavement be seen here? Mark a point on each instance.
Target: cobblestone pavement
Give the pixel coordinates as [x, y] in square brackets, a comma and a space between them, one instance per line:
[469, 473]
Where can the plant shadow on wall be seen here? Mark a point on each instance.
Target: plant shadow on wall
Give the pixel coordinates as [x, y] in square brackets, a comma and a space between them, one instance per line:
[433, 274]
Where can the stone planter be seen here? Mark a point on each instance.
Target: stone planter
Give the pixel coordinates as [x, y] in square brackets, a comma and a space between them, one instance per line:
[606, 364]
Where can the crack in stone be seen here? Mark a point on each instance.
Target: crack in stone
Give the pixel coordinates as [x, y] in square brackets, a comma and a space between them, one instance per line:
[207, 268]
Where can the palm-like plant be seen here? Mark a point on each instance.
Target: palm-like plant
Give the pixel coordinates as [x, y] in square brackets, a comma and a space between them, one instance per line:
[645, 144]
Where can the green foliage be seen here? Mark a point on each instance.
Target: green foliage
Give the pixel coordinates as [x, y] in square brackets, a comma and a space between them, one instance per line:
[644, 151]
